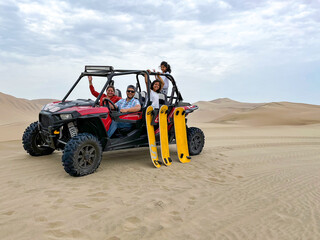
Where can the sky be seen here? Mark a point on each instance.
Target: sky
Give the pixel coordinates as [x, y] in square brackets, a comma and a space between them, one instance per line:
[249, 51]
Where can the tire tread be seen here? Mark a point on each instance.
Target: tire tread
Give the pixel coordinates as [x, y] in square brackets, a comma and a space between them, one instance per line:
[70, 150]
[27, 142]
[190, 133]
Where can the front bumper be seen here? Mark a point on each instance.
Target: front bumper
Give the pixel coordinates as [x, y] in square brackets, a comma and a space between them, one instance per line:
[53, 130]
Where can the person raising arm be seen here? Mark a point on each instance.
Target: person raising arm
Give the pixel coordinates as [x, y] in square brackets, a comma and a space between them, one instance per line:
[165, 69]
[155, 89]
[110, 93]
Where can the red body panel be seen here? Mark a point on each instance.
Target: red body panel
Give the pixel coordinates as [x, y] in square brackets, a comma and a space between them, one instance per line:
[132, 116]
[170, 115]
[107, 122]
[86, 110]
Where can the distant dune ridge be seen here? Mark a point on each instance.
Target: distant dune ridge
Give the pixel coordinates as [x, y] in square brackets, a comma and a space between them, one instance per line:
[225, 110]
[276, 113]
[18, 113]
[211, 110]
[43, 102]
[19, 109]
[16, 109]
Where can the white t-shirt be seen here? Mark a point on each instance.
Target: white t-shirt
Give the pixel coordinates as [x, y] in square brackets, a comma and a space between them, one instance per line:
[166, 84]
[154, 98]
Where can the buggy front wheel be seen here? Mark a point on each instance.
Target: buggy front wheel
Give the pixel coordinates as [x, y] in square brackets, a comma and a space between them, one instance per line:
[33, 142]
[82, 155]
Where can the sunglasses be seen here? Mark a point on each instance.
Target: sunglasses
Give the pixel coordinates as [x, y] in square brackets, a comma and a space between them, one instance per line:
[130, 91]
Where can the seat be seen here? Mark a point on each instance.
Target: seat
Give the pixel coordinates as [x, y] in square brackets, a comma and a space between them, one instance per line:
[137, 95]
[143, 98]
[162, 99]
[117, 93]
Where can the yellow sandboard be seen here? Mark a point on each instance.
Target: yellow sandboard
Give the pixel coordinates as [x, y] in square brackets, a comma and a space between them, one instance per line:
[164, 140]
[152, 138]
[181, 134]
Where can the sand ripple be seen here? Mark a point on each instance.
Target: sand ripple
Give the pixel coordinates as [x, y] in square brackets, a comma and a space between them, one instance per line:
[249, 183]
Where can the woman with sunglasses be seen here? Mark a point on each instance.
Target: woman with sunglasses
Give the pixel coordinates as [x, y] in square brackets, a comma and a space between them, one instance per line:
[110, 93]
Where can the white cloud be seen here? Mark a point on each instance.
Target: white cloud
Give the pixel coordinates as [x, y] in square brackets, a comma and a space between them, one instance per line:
[212, 38]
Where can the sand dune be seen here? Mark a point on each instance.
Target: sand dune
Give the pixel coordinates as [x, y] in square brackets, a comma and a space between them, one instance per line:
[223, 110]
[277, 113]
[210, 110]
[17, 114]
[250, 182]
[43, 102]
[17, 109]
[258, 114]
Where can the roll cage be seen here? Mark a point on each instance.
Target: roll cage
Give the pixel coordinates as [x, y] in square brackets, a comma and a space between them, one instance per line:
[109, 72]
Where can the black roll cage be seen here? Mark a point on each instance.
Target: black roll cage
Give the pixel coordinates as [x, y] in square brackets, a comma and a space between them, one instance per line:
[109, 73]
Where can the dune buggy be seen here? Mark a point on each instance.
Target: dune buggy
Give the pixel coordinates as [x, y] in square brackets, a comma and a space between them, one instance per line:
[79, 127]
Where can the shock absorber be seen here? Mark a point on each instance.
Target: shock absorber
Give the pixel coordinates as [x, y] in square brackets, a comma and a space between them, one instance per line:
[72, 129]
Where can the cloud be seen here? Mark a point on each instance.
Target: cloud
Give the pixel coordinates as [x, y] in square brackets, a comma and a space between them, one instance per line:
[210, 40]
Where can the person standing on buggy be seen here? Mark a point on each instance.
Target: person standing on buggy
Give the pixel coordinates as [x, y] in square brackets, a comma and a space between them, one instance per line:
[165, 69]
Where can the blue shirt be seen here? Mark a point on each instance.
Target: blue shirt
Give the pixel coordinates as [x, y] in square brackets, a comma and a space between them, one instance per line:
[123, 104]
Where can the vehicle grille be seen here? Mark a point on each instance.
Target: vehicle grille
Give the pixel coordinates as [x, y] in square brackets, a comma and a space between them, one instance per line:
[46, 120]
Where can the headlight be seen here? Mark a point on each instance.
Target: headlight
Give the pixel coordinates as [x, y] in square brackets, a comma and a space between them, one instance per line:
[66, 116]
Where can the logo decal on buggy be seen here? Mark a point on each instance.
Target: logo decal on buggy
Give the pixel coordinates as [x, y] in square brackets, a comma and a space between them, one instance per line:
[51, 107]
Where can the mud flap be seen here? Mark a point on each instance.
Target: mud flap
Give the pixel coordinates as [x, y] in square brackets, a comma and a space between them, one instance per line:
[164, 140]
[181, 134]
[152, 138]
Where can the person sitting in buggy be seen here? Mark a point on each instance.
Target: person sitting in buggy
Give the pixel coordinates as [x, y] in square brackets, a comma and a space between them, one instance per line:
[155, 88]
[130, 104]
[110, 93]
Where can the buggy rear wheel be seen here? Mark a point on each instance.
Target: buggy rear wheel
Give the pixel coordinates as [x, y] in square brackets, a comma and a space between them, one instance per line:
[196, 140]
[82, 155]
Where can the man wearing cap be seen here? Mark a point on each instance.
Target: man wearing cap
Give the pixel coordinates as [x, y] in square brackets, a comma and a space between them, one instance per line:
[130, 104]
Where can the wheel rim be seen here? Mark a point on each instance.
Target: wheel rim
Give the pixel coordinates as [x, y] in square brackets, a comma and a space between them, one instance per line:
[196, 143]
[87, 156]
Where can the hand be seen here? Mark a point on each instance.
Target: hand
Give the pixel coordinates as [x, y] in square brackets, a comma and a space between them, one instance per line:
[149, 71]
[90, 80]
[123, 110]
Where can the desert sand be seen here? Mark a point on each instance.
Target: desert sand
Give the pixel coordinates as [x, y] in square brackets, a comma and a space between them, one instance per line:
[257, 178]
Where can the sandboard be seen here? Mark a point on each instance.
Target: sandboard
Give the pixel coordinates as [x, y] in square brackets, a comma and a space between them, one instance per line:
[181, 134]
[152, 138]
[164, 140]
